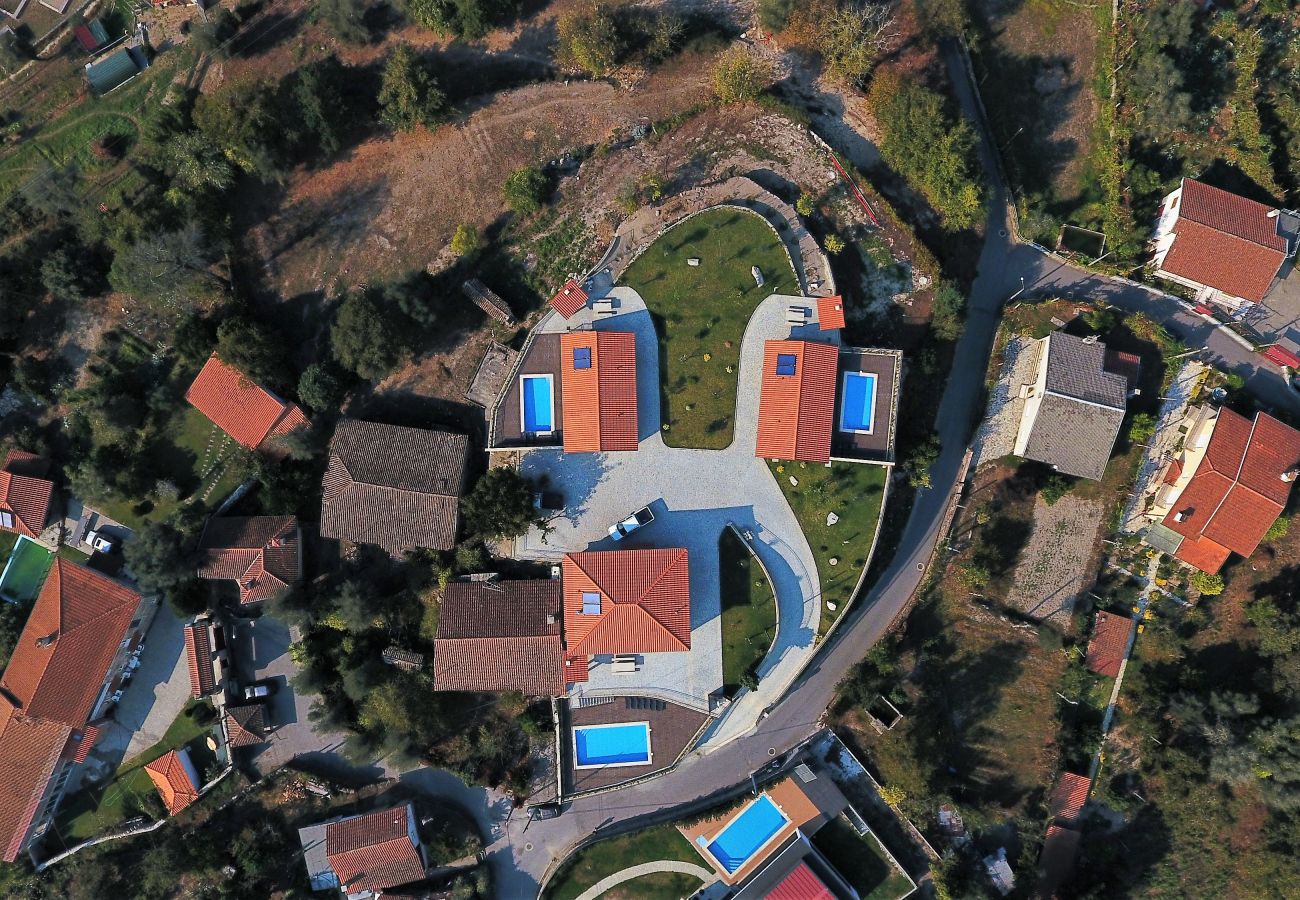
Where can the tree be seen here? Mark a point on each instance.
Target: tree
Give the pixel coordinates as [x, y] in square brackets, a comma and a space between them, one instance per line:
[774, 15]
[212, 34]
[168, 272]
[500, 505]
[345, 19]
[853, 37]
[943, 18]
[589, 38]
[739, 76]
[525, 190]
[466, 240]
[320, 388]
[834, 244]
[243, 120]
[197, 166]
[469, 19]
[159, 557]
[1206, 583]
[252, 348]
[1141, 428]
[945, 312]
[319, 96]
[55, 191]
[919, 461]
[195, 339]
[12, 618]
[366, 338]
[63, 275]
[408, 94]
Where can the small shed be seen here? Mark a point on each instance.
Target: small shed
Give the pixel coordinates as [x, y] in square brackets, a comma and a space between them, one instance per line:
[115, 70]
[485, 299]
[91, 36]
[403, 659]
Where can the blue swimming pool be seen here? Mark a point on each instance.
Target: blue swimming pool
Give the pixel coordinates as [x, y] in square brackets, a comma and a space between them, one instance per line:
[537, 403]
[858, 402]
[622, 744]
[747, 833]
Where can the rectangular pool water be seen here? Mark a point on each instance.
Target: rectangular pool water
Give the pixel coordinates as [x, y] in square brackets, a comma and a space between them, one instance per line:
[858, 402]
[747, 833]
[619, 744]
[25, 571]
[537, 403]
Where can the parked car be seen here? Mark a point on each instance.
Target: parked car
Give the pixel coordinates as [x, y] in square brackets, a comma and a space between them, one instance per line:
[544, 811]
[639, 519]
[548, 502]
[258, 690]
[101, 543]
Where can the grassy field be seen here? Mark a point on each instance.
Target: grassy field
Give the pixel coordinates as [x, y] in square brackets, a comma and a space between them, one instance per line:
[655, 886]
[591, 864]
[748, 610]
[91, 811]
[854, 493]
[700, 315]
[862, 862]
[26, 571]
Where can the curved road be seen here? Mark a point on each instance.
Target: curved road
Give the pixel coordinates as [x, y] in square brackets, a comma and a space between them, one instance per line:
[520, 859]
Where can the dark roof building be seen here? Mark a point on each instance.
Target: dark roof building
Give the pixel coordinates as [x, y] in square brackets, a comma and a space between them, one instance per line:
[364, 855]
[116, 69]
[393, 486]
[1056, 862]
[1073, 412]
[91, 36]
[245, 724]
[201, 655]
[500, 636]
[261, 554]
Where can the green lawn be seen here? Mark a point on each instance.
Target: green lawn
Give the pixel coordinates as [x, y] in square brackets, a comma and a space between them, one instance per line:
[655, 886]
[604, 858]
[700, 315]
[194, 460]
[26, 571]
[853, 492]
[862, 862]
[748, 610]
[89, 812]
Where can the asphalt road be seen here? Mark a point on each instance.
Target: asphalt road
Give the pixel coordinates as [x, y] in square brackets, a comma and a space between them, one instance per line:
[520, 858]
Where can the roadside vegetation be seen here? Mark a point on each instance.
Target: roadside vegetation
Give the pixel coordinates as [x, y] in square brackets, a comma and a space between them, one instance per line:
[603, 858]
[700, 313]
[749, 616]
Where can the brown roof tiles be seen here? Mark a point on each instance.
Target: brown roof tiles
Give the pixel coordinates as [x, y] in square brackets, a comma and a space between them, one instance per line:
[262, 554]
[569, 299]
[199, 654]
[245, 724]
[374, 851]
[1109, 643]
[24, 494]
[495, 636]
[1069, 797]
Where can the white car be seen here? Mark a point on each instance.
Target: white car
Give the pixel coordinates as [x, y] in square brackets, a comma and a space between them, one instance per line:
[101, 543]
[638, 519]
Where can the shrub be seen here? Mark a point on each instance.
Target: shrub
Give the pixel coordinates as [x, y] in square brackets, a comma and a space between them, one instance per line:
[834, 244]
[1055, 488]
[1207, 584]
[408, 94]
[739, 76]
[466, 240]
[589, 38]
[525, 190]
[1278, 529]
[1141, 428]
[805, 205]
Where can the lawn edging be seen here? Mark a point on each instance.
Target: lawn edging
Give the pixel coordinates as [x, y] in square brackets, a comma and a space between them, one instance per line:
[866, 567]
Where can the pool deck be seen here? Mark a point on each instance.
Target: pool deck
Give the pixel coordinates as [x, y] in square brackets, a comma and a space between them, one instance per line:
[671, 729]
[541, 356]
[878, 446]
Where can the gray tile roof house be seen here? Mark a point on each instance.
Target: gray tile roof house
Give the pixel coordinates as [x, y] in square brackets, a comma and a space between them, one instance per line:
[393, 486]
[500, 636]
[1074, 409]
[116, 69]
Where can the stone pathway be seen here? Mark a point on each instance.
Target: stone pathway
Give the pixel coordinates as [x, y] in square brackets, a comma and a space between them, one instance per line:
[665, 865]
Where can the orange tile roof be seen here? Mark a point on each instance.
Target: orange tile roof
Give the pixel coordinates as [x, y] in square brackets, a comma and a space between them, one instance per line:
[68, 643]
[570, 298]
[1109, 643]
[261, 554]
[599, 401]
[174, 776]
[245, 724]
[246, 411]
[30, 750]
[198, 654]
[830, 312]
[1237, 491]
[796, 412]
[373, 851]
[1069, 797]
[1225, 241]
[645, 601]
[801, 884]
[24, 494]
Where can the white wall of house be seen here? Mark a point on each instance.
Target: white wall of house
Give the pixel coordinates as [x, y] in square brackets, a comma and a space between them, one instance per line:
[1034, 400]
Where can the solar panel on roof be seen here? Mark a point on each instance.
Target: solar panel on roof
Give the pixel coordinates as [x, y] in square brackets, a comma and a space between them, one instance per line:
[785, 363]
[590, 603]
[582, 357]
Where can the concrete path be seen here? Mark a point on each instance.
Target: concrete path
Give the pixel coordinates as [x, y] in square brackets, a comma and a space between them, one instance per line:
[666, 865]
[694, 495]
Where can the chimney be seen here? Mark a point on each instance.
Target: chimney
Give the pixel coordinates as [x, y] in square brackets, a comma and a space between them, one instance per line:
[1182, 514]
[1291, 474]
[550, 618]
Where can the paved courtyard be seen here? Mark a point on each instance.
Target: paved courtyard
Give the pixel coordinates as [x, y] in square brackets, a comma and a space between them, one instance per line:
[694, 495]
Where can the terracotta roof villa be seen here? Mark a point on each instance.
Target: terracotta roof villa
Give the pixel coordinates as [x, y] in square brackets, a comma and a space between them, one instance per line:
[500, 636]
[1069, 797]
[244, 724]
[174, 776]
[1073, 410]
[261, 554]
[393, 486]
[598, 381]
[796, 407]
[247, 412]
[63, 675]
[206, 663]
[363, 855]
[24, 494]
[1228, 248]
[1229, 484]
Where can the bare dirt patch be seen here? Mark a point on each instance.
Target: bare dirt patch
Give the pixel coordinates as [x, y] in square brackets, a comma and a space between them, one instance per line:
[1057, 565]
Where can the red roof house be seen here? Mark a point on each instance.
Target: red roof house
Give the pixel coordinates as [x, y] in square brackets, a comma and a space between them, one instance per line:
[1209, 237]
[1238, 490]
[1069, 797]
[801, 884]
[52, 687]
[261, 554]
[201, 658]
[626, 601]
[598, 381]
[569, 299]
[24, 493]
[1109, 644]
[375, 851]
[830, 312]
[177, 781]
[796, 407]
[246, 411]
